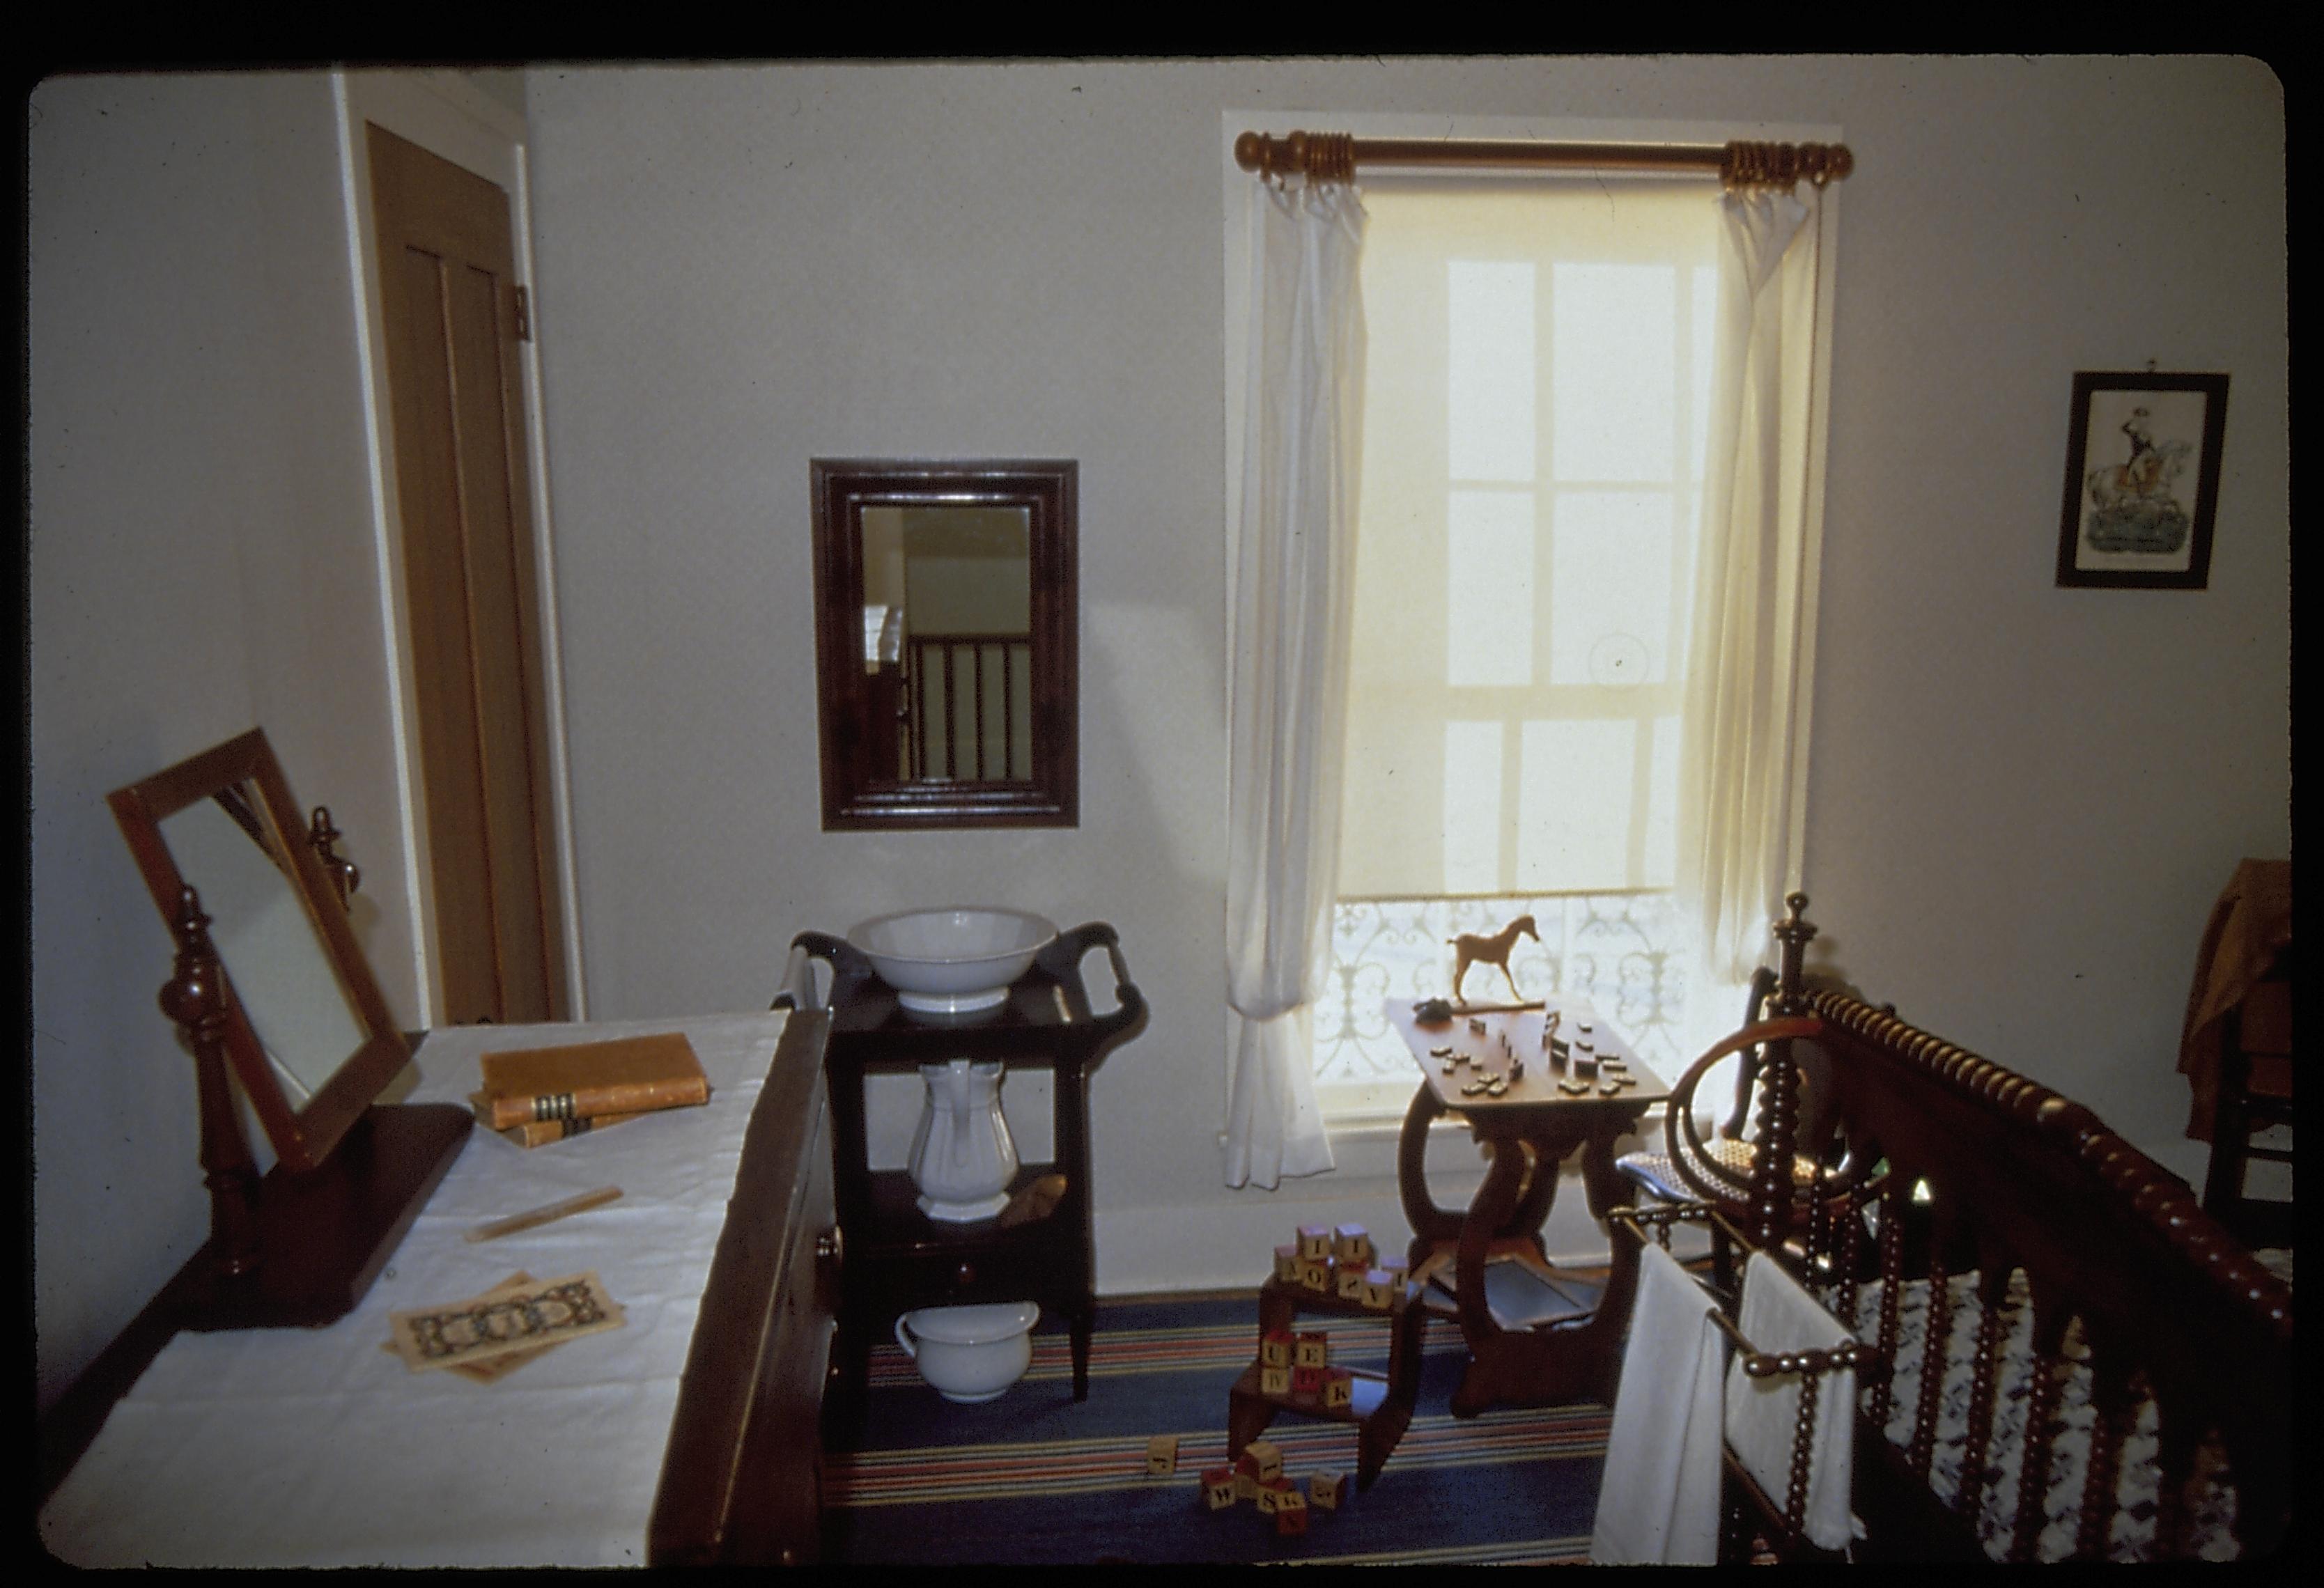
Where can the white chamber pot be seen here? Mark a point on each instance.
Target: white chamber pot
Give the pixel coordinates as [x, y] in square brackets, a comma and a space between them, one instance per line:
[971, 1355]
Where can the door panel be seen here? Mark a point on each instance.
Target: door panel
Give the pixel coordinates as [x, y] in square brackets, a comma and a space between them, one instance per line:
[446, 268]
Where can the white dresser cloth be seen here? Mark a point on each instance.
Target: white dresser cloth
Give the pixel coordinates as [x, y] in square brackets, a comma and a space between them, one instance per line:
[1763, 1414]
[1658, 1499]
[316, 1447]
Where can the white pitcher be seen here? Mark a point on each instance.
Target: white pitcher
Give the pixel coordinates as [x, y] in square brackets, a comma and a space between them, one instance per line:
[963, 1158]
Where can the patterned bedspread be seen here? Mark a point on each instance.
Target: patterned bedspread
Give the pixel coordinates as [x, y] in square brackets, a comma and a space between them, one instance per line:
[2132, 1537]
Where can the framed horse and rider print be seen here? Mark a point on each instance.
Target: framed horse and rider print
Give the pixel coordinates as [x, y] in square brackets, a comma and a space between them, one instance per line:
[2142, 480]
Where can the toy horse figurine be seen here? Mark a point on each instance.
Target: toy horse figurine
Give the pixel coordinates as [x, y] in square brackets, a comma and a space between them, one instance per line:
[1472, 948]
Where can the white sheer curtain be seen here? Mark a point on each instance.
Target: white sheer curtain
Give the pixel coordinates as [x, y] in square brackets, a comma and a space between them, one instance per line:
[1293, 578]
[1746, 687]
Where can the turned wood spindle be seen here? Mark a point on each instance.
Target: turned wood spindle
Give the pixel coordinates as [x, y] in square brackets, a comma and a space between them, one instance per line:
[195, 997]
[1978, 1465]
[1894, 1198]
[1779, 1097]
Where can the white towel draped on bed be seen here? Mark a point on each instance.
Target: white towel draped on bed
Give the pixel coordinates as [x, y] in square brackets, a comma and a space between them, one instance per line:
[1763, 1414]
[1658, 1500]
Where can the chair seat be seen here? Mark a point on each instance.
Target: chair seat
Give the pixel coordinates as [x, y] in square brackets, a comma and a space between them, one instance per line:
[1653, 1172]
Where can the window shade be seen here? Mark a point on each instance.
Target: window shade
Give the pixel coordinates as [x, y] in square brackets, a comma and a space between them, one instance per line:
[1539, 366]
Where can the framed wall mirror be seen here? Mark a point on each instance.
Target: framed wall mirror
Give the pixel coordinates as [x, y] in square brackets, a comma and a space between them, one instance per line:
[946, 643]
[307, 1032]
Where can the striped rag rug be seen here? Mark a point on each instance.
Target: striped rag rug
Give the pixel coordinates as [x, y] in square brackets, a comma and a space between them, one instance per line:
[1034, 1479]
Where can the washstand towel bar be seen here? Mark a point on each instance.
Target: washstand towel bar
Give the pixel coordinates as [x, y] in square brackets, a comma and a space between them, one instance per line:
[1809, 1367]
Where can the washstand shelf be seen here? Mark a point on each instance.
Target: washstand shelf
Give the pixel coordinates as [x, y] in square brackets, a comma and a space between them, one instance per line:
[895, 1257]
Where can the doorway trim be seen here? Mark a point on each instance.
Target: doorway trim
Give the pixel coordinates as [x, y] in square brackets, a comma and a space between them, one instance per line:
[450, 117]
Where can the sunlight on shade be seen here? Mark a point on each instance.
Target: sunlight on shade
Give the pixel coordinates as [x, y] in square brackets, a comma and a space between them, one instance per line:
[1614, 398]
[1472, 807]
[1574, 827]
[1489, 555]
[1661, 862]
[1609, 587]
[1490, 355]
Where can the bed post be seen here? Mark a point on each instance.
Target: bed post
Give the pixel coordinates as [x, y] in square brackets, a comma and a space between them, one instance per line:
[1779, 1094]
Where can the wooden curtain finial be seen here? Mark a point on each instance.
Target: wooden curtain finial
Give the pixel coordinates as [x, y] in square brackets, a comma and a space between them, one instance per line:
[1320, 157]
[1747, 163]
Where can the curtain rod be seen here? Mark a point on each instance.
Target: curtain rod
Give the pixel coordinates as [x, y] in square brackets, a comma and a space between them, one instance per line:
[1333, 157]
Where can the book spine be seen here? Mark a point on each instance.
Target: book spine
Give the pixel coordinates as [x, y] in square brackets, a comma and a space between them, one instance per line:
[539, 1133]
[589, 1102]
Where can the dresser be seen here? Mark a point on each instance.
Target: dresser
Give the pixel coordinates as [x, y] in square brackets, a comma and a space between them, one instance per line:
[688, 1435]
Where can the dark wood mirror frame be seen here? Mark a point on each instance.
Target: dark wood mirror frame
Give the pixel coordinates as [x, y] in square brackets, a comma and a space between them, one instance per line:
[300, 1245]
[855, 795]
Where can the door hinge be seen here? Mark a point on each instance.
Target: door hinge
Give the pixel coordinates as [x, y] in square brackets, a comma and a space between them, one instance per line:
[523, 315]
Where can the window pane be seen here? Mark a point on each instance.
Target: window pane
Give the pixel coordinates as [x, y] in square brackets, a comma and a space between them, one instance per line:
[1573, 833]
[1488, 595]
[1472, 807]
[1489, 407]
[1613, 370]
[1610, 588]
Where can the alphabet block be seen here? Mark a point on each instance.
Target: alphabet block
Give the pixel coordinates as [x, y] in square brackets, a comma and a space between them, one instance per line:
[1219, 1487]
[1275, 1380]
[1315, 1274]
[1350, 1276]
[1306, 1381]
[1338, 1387]
[1313, 1348]
[1351, 1243]
[1274, 1348]
[1286, 1263]
[1290, 1512]
[1277, 1496]
[1327, 1489]
[1162, 1456]
[1268, 1457]
[1377, 1294]
[1315, 1241]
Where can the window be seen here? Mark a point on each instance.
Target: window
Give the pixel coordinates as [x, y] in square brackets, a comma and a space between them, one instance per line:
[1536, 383]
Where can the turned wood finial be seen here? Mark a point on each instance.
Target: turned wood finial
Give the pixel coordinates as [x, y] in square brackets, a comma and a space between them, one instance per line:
[1793, 932]
[191, 997]
[325, 838]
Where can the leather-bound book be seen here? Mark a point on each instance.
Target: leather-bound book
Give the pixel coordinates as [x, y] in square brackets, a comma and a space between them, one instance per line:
[539, 1133]
[628, 1075]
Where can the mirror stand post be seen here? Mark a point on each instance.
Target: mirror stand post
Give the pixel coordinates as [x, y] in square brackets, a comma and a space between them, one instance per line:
[195, 1000]
[292, 1249]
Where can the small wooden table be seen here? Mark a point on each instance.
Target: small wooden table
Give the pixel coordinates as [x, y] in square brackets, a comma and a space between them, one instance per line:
[1529, 1129]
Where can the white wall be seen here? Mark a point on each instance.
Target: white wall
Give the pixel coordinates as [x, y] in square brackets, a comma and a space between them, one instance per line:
[201, 561]
[2024, 798]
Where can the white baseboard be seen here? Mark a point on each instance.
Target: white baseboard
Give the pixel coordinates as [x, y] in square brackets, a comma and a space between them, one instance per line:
[1231, 1245]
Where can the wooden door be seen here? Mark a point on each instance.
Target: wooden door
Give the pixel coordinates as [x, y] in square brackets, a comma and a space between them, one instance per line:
[452, 312]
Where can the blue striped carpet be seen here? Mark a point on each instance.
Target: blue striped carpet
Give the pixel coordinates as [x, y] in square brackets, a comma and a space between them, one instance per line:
[1034, 1479]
